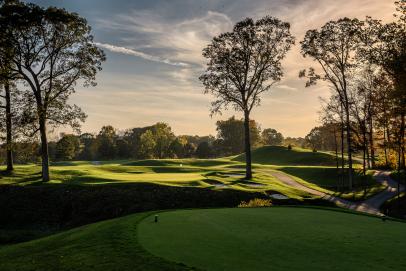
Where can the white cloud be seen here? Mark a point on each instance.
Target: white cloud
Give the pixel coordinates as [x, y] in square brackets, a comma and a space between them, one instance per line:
[173, 93]
[285, 87]
[181, 40]
[127, 51]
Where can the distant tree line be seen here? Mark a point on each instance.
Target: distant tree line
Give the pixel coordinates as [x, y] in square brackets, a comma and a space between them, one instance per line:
[151, 142]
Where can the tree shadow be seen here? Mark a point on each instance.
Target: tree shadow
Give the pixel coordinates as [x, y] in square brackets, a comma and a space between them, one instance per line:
[22, 178]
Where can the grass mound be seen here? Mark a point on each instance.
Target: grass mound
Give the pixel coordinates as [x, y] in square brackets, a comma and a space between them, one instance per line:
[275, 239]
[108, 245]
[279, 155]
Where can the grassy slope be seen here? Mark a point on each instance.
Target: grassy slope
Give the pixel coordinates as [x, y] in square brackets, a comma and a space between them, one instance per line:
[281, 156]
[314, 169]
[276, 238]
[107, 245]
[192, 173]
[279, 238]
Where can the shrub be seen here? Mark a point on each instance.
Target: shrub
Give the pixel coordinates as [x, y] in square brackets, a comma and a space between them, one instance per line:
[289, 147]
[255, 203]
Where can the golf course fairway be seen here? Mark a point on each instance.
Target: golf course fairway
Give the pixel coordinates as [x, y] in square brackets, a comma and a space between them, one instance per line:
[278, 238]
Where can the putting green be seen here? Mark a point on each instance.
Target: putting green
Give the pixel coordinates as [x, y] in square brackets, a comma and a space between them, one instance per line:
[277, 238]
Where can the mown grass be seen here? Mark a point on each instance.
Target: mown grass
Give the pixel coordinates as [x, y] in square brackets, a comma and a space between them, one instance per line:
[314, 169]
[174, 174]
[113, 245]
[280, 155]
[275, 239]
[108, 245]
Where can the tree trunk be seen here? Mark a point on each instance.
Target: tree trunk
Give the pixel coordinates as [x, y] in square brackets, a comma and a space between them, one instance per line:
[385, 147]
[365, 151]
[9, 137]
[402, 141]
[371, 142]
[342, 148]
[389, 140]
[44, 149]
[337, 164]
[248, 171]
[349, 145]
[368, 157]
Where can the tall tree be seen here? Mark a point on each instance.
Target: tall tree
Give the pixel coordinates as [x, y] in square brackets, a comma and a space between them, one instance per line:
[163, 137]
[88, 147]
[51, 49]
[204, 150]
[7, 78]
[243, 64]
[314, 138]
[6, 104]
[385, 45]
[271, 137]
[106, 143]
[147, 144]
[67, 148]
[363, 104]
[333, 47]
[230, 135]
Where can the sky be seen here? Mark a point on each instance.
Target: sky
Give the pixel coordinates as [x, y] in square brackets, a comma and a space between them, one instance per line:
[154, 59]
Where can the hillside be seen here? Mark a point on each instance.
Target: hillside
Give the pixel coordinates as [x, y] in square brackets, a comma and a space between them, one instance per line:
[282, 156]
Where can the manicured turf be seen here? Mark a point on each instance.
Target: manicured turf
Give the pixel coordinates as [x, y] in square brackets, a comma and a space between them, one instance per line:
[280, 155]
[277, 238]
[179, 174]
[103, 246]
[313, 169]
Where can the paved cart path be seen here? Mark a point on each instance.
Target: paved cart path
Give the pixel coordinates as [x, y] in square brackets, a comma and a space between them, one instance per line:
[370, 205]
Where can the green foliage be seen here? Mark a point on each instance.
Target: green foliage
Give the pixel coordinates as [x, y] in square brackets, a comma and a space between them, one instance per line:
[271, 137]
[25, 151]
[230, 135]
[51, 50]
[242, 64]
[106, 143]
[314, 138]
[255, 203]
[163, 136]
[177, 148]
[147, 145]
[67, 147]
[204, 150]
[89, 147]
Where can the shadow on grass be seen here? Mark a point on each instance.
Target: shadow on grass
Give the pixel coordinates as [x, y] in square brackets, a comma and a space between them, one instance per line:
[22, 177]
[173, 162]
[331, 178]
[175, 169]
